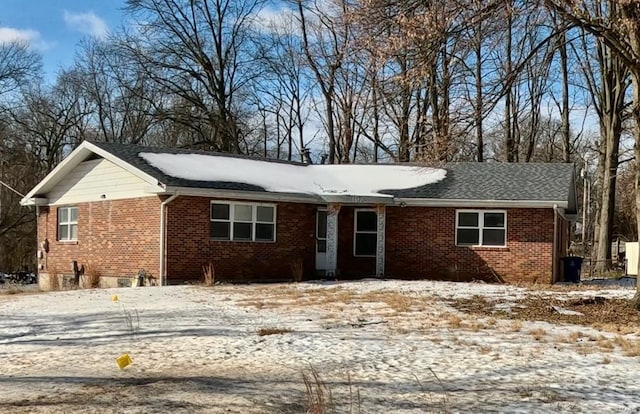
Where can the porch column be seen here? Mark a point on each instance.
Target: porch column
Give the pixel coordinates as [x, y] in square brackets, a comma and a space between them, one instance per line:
[332, 239]
[380, 245]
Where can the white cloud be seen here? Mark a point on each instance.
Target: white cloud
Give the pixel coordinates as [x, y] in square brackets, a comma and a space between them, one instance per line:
[28, 36]
[9, 34]
[88, 23]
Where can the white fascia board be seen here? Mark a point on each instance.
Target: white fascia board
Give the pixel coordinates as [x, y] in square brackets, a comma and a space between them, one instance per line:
[426, 202]
[348, 199]
[244, 195]
[78, 155]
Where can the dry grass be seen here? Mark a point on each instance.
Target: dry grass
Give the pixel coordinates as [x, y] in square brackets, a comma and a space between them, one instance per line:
[273, 331]
[208, 274]
[297, 269]
[516, 326]
[630, 347]
[537, 333]
[612, 315]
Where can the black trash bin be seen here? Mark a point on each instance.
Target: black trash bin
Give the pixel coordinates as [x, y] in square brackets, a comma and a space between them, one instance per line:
[571, 266]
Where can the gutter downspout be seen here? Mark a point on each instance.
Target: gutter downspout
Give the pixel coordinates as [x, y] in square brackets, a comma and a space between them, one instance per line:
[554, 255]
[163, 205]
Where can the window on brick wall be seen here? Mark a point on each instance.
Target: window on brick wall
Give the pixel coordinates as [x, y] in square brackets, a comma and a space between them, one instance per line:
[366, 233]
[67, 223]
[481, 228]
[243, 221]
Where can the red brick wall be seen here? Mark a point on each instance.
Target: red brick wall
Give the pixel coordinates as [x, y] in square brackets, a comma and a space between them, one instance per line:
[350, 266]
[189, 246]
[117, 237]
[122, 236]
[421, 245]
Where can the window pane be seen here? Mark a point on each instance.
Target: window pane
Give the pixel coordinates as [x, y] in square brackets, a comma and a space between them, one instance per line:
[242, 231]
[220, 230]
[493, 237]
[366, 221]
[219, 211]
[494, 220]
[366, 244]
[468, 219]
[63, 232]
[322, 246]
[74, 231]
[63, 215]
[242, 212]
[265, 214]
[74, 214]
[321, 227]
[264, 232]
[468, 237]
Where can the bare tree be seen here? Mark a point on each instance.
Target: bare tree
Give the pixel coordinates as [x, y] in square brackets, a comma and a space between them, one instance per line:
[621, 33]
[201, 53]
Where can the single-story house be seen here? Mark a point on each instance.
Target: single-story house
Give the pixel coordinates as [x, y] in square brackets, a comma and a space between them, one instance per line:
[119, 208]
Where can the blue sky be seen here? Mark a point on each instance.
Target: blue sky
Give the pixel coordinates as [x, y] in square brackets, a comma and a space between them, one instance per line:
[54, 27]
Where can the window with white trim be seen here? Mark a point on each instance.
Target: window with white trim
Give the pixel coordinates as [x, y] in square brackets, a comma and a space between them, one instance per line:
[243, 221]
[67, 223]
[481, 228]
[365, 238]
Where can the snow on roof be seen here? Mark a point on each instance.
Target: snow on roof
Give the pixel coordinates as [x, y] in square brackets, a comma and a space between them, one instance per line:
[349, 179]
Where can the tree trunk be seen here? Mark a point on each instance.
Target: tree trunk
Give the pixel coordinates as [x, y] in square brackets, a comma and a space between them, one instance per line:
[635, 80]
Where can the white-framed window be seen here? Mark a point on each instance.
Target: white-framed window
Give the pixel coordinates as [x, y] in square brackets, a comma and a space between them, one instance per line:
[67, 223]
[481, 228]
[365, 228]
[243, 221]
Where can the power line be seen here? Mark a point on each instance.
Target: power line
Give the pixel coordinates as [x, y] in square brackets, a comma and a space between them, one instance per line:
[12, 189]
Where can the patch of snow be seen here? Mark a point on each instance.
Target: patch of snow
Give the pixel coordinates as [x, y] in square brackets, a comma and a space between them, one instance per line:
[563, 311]
[196, 349]
[314, 179]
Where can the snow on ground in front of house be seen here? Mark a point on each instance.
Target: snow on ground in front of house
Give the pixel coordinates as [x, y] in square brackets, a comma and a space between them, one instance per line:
[357, 180]
[399, 344]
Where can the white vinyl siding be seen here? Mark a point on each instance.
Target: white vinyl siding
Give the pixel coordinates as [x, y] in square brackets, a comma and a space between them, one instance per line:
[92, 179]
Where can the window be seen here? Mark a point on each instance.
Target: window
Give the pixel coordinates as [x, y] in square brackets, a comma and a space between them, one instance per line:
[481, 228]
[243, 222]
[67, 223]
[366, 233]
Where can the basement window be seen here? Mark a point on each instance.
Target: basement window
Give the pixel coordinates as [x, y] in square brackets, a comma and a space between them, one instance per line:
[481, 228]
[243, 221]
[67, 223]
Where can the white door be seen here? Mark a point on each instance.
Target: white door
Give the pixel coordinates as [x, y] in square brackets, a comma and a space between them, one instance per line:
[321, 240]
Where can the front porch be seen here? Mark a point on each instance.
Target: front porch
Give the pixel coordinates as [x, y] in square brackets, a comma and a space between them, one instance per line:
[352, 240]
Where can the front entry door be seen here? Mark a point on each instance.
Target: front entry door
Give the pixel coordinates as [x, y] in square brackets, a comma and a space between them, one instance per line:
[321, 241]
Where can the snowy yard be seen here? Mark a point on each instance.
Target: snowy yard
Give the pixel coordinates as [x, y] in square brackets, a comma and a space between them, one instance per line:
[397, 347]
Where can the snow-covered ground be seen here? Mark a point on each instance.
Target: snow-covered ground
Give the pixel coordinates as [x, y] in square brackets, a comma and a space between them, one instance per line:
[397, 347]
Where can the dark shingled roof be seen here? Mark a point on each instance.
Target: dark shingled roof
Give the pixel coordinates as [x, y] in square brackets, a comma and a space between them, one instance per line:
[464, 181]
[498, 181]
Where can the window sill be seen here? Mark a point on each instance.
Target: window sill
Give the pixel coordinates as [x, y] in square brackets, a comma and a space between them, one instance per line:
[242, 241]
[68, 242]
[477, 248]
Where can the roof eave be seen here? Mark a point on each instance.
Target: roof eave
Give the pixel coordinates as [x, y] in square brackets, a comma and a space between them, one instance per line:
[432, 202]
[77, 156]
[243, 195]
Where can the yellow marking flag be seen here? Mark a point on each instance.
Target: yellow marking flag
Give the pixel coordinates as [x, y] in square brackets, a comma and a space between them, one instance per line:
[123, 361]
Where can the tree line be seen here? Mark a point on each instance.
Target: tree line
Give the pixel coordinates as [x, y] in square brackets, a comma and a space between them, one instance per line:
[346, 81]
